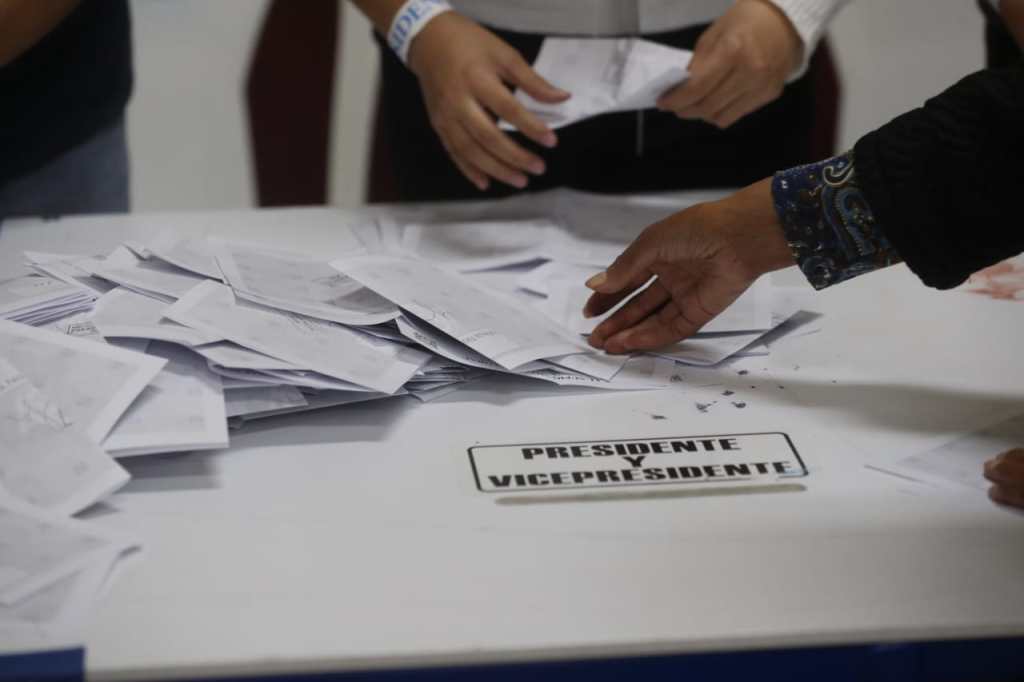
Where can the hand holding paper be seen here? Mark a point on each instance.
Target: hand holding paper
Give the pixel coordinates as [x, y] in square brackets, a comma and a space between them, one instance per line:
[605, 75]
[463, 68]
[740, 64]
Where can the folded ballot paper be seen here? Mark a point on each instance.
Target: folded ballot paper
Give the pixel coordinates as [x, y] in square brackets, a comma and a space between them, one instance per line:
[604, 75]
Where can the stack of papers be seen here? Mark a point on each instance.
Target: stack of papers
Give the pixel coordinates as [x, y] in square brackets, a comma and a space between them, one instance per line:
[37, 300]
[163, 344]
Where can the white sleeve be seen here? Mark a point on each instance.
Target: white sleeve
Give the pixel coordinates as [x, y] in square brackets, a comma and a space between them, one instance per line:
[810, 18]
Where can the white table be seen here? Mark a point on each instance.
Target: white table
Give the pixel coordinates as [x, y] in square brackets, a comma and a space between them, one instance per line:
[354, 538]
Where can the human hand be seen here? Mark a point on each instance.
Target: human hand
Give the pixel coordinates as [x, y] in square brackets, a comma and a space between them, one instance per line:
[702, 259]
[740, 63]
[464, 72]
[1006, 472]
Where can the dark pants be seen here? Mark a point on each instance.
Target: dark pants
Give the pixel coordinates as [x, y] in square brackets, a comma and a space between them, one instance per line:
[606, 154]
[91, 177]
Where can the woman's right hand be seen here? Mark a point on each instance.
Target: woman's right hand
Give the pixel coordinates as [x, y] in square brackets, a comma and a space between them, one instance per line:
[465, 72]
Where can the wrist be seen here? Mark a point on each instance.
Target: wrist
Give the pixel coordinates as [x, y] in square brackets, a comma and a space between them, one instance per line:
[755, 231]
[416, 57]
[410, 19]
[794, 36]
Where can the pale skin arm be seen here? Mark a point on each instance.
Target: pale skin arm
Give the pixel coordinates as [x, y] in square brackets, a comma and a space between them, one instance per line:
[467, 74]
[23, 23]
[740, 63]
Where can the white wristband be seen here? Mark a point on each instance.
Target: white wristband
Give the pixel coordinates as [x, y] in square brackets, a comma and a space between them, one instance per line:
[410, 20]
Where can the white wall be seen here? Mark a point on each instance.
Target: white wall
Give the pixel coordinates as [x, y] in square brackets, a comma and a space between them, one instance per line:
[189, 141]
[895, 54]
[187, 135]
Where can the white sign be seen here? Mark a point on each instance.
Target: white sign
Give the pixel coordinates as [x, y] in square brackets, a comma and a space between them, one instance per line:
[744, 458]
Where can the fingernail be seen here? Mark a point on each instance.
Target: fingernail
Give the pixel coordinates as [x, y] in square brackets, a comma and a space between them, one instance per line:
[549, 140]
[597, 280]
[520, 181]
[537, 167]
[587, 314]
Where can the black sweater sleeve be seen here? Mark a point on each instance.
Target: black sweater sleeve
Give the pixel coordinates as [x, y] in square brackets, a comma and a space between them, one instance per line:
[946, 180]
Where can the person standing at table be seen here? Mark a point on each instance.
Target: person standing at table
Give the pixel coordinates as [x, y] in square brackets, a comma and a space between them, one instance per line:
[65, 80]
[745, 110]
[936, 188]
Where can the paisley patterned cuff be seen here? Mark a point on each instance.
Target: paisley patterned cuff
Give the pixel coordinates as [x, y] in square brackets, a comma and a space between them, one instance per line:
[828, 223]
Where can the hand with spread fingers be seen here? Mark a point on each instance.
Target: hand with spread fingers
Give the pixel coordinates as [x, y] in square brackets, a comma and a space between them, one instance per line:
[740, 63]
[1006, 472]
[700, 259]
[465, 73]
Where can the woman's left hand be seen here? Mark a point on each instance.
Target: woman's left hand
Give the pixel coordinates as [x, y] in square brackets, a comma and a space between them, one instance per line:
[740, 63]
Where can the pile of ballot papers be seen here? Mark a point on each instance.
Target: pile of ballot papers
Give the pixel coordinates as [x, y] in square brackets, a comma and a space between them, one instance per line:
[164, 345]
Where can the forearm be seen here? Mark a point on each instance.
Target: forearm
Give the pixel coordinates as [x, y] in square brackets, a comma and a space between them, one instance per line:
[942, 178]
[23, 23]
[934, 187]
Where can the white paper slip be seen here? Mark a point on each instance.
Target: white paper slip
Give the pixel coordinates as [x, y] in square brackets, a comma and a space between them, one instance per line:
[125, 313]
[752, 311]
[707, 350]
[478, 245]
[437, 341]
[70, 268]
[642, 373]
[597, 365]
[545, 278]
[182, 409]
[147, 276]
[313, 344]
[564, 306]
[93, 383]
[318, 401]
[39, 548]
[44, 460]
[959, 464]
[299, 284]
[313, 380]
[252, 401]
[79, 325]
[231, 355]
[194, 255]
[429, 394]
[248, 378]
[63, 606]
[504, 332]
[604, 75]
[137, 248]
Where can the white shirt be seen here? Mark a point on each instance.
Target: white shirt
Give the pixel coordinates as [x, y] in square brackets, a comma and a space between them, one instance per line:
[631, 17]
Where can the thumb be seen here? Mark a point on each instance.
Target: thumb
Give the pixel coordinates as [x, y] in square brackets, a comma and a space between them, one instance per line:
[520, 73]
[632, 265]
